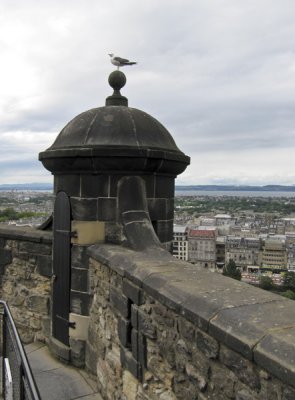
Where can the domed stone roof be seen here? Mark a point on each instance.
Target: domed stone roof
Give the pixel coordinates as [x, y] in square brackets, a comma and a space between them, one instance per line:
[118, 132]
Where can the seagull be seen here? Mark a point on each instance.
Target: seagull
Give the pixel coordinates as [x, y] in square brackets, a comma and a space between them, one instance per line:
[120, 62]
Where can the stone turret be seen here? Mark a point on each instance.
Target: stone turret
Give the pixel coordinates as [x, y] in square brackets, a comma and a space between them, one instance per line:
[99, 147]
[114, 169]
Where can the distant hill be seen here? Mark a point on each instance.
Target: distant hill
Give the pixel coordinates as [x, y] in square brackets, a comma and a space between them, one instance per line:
[266, 188]
[26, 186]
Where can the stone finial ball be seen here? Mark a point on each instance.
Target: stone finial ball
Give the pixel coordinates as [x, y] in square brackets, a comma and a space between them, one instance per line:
[117, 80]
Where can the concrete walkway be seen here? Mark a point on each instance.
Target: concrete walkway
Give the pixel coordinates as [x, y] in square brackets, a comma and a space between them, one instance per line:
[57, 381]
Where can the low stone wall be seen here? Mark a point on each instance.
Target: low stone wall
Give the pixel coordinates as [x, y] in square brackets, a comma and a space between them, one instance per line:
[165, 329]
[158, 328]
[25, 271]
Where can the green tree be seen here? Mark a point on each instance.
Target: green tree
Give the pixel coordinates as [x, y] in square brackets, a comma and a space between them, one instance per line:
[289, 280]
[231, 270]
[265, 282]
[289, 294]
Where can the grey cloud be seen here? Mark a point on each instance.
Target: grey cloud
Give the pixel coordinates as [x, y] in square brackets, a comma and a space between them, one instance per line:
[219, 75]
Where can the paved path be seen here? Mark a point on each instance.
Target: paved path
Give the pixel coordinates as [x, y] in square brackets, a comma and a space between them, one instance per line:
[58, 381]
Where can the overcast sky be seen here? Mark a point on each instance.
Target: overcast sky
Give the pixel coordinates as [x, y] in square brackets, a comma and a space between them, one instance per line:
[218, 74]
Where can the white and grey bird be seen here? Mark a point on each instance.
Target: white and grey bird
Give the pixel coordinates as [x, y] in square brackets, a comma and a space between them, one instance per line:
[120, 62]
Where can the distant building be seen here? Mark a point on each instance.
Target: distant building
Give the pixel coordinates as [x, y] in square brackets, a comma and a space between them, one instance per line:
[290, 249]
[274, 254]
[220, 253]
[243, 251]
[202, 247]
[224, 220]
[180, 242]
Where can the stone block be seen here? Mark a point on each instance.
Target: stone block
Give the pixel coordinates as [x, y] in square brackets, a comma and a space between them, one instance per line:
[134, 316]
[157, 209]
[114, 233]
[248, 325]
[80, 302]
[243, 368]
[34, 248]
[208, 345]
[38, 304]
[80, 329]
[183, 388]
[139, 347]
[132, 291]
[288, 393]
[120, 302]
[91, 358]
[164, 187]
[79, 280]
[124, 332]
[170, 208]
[145, 326]
[244, 395]
[128, 362]
[164, 230]
[94, 185]
[130, 386]
[77, 352]
[44, 265]
[275, 352]
[5, 256]
[60, 350]
[107, 209]
[79, 257]
[84, 209]
[88, 232]
[186, 329]
[67, 183]
[46, 325]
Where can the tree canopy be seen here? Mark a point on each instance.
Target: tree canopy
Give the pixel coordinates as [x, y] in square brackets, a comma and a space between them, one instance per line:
[232, 271]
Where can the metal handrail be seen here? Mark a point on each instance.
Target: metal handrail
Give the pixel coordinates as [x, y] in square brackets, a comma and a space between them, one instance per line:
[25, 369]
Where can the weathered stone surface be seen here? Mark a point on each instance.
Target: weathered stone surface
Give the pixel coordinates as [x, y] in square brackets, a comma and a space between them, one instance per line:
[120, 302]
[186, 329]
[243, 368]
[37, 304]
[79, 257]
[276, 353]
[208, 345]
[145, 326]
[44, 265]
[132, 365]
[288, 393]
[107, 208]
[183, 388]
[124, 332]
[84, 209]
[184, 359]
[77, 352]
[80, 302]
[242, 327]
[79, 279]
[132, 291]
[244, 395]
[5, 256]
[130, 386]
[34, 248]
[222, 382]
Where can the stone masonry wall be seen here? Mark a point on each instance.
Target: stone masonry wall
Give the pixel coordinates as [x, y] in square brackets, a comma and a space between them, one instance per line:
[159, 328]
[148, 339]
[25, 271]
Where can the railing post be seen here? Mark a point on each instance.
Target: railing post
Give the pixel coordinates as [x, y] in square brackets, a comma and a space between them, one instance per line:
[24, 370]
